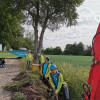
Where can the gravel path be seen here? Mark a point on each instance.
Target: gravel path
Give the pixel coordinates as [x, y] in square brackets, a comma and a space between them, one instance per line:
[6, 74]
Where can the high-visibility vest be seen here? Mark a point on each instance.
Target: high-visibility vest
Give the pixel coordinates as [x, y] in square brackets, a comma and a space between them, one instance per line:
[29, 57]
[48, 68]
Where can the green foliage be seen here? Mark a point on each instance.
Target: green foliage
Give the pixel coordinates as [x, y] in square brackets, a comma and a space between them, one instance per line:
[57, 51]
[27, 41]
[10, 29]
[11, 32]
[56, 12]
[88, 50]
[19, 96]
[80, 49]
[77, 49]
[48, 51]
[74, 49]
[70, 49]
[53, 51]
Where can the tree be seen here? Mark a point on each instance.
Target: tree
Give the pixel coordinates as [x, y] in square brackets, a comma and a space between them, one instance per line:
[27, 42]
[10, 20]
[70, 49]
[80, 48]
[57, 51]
[77, 49]
[87, 51]
[74, 49]
[48, 51]
[48, 14]
[53, 51]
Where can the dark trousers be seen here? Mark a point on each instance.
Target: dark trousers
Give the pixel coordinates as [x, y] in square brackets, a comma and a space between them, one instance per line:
[46, 81]
[2, 63]
[63, 94]
[28, 65]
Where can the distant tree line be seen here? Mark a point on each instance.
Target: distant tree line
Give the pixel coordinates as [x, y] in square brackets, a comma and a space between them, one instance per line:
[70, 49]
[53, 51]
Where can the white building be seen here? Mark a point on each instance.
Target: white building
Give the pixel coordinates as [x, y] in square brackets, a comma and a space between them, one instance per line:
[0, 47]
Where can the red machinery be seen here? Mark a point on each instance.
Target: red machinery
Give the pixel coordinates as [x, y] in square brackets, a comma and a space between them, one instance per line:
[94, 75]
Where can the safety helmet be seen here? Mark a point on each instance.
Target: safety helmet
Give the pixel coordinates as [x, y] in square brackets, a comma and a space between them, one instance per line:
[53, 66]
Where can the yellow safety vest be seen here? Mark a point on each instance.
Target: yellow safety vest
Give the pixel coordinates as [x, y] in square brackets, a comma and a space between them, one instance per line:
[29, 57]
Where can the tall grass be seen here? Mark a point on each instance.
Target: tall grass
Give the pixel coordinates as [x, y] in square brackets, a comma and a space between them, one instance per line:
[74, 77]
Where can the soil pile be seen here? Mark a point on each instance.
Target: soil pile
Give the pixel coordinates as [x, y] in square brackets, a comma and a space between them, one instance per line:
[28, 86]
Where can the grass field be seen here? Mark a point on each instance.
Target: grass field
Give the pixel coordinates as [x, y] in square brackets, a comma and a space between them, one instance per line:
[74, 60]
[5, 54]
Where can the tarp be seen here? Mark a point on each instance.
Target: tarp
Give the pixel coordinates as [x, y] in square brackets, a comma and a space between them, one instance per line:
[94, 75]
[19, 53]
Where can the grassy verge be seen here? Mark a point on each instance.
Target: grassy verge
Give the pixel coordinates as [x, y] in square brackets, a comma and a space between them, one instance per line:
[6, 54]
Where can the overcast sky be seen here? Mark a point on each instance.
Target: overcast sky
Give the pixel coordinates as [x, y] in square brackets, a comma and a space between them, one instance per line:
[89, 18]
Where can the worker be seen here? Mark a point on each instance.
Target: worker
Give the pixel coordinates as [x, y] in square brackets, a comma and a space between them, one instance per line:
[46, 67]
[41, 60]
[57, 83]
[2, 62]
[45, 71]
[29, 58]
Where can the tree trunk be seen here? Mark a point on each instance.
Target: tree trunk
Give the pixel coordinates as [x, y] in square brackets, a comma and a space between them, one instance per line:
[36, 31]
[42, 32]
[38, 48]
[41, 41]
[35, 43]
[42, 35]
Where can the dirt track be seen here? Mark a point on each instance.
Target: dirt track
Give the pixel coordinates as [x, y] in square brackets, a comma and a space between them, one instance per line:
[6, 74]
